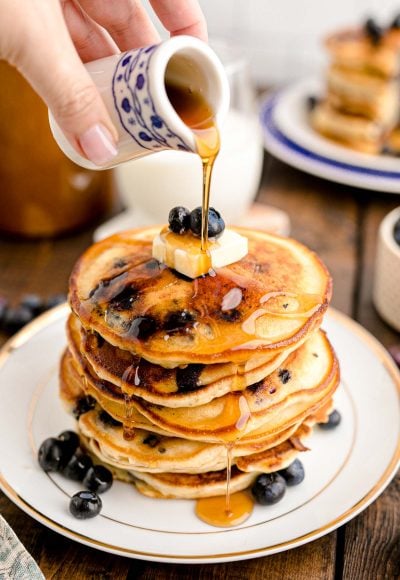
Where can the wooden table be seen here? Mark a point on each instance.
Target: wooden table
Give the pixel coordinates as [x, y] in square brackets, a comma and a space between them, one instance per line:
[341, 224]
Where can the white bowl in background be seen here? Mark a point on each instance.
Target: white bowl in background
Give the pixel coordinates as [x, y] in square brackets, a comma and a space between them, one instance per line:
[386, 291]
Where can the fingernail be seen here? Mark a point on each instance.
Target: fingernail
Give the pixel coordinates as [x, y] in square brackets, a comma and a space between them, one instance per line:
[98, 145]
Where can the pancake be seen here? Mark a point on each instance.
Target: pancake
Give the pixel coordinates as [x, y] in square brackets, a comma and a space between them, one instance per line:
[267, 302]
[193, 385]
[359, 93]
[191, 486]
[393, 142]
[287, 396]
[151, 453]
[74, 385]
[353, 131]
[353, 49]
[212, 483]
[71, 377]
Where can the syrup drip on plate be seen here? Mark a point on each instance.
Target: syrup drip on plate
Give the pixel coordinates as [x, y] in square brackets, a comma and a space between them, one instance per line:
[234, 508]
[209, 510]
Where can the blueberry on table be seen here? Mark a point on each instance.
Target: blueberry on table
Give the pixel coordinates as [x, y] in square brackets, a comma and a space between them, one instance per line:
[269, 488]
[396, 232]
[52, 454]
[55, 300]
[98, 479]
[216, 224]
[333, 421]
[33, 302]
[294, 473]
[3, 308]
[78, 466]
[85, 504]
[16, 317]
[71, 441]
[179, 219]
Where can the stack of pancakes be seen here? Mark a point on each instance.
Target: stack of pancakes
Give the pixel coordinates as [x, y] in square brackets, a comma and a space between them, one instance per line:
[182, 375]
[361, 105]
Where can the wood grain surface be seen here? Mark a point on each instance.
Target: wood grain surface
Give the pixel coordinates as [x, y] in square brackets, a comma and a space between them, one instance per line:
[338, 222]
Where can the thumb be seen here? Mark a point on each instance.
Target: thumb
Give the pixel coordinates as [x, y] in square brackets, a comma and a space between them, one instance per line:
[49, 61]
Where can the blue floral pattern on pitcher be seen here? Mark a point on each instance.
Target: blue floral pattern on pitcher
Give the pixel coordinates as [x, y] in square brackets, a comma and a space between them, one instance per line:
[135, 106]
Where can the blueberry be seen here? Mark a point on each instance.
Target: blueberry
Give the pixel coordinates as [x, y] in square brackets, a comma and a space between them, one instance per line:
[195, 221]
[83, 405]
[269, 488]
[294, 474]
[396, 232]
[16, 317]
[284, 375]
[142, 327]
[373, 31]
[151, 440]
[124, 299]
[107, 419]
[55, 300]
[3, 308]
[51, 455]
[333, 421]
[179, 319]
[98, 479]
[85, 504]
[33, 302]
[78, 466]
[312, 102]
[179, 219]
[187, 378]
[71, 442]
[216, 224]
[395, 22]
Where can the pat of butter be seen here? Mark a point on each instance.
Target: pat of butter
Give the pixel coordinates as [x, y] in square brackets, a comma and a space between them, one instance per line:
[183, 252]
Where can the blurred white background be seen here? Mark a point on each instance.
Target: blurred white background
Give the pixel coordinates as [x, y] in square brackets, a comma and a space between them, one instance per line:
[282, 38]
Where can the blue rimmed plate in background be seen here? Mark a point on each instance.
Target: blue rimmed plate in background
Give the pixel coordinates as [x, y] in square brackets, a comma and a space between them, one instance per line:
[289, 136]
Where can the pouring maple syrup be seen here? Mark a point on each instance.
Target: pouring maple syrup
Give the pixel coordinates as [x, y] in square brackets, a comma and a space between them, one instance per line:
[198, 115]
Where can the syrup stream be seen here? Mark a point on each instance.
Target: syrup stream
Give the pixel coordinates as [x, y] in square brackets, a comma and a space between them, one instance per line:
[197, 114]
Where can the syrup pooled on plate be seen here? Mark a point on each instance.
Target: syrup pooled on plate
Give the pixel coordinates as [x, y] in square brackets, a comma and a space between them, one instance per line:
[234, 508]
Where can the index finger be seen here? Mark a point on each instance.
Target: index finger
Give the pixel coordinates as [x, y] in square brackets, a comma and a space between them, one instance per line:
[181, 17]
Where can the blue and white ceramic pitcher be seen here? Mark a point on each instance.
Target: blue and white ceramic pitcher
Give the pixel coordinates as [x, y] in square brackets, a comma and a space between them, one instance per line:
[132, 85]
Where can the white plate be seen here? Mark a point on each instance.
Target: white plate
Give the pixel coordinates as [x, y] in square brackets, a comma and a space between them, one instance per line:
[289, 136]
[346, 469]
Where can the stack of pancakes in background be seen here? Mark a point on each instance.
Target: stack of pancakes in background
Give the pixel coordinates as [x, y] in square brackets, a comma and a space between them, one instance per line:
[172, 378]
[362, 102]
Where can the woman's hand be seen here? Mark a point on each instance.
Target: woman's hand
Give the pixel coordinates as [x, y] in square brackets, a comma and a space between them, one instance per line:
[47, 41]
